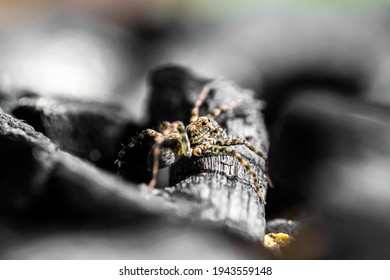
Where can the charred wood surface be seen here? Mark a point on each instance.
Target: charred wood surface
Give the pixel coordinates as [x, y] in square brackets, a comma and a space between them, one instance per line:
[214, 188]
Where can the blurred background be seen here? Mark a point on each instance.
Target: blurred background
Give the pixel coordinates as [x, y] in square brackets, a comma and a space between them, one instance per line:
[322, 67]
[102, 49]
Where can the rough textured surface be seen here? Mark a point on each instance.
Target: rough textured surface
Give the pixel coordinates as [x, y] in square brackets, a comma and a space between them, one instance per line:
[215, 188]
[56, 206]
[93, 131]
[324, 78]
[52, 200]
[38, 178]
[89, 129]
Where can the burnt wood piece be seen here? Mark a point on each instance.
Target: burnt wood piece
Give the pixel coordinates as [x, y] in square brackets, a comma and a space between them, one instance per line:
[39, 180]
[56, 206]
[214, 188]
[89, 129]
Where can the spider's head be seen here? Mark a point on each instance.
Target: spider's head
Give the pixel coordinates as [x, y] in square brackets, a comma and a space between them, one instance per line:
[199, 130]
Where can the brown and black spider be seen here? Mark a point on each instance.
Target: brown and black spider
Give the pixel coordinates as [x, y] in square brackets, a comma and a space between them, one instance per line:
[202, 135]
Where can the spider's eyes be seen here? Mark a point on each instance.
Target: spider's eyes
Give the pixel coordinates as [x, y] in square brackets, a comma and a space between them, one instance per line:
[205, 121]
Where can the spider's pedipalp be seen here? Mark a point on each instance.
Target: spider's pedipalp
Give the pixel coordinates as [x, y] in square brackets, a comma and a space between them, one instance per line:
[184, 140]
[228, 151]
[195, 111]
[173, 131]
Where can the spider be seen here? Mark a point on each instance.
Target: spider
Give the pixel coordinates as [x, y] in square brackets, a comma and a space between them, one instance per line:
[202, 135]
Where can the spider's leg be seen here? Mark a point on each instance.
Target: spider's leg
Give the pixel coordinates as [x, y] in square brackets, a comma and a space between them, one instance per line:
[198, 103]
[239, 141]
[148, 132]
[226, 150]
[223, 108]
[155, 167]
[220, 131]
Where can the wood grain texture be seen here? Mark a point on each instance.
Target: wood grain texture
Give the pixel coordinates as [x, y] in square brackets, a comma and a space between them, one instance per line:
[214, 189]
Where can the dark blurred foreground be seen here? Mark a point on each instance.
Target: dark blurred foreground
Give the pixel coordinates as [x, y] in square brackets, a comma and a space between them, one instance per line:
[82, 82]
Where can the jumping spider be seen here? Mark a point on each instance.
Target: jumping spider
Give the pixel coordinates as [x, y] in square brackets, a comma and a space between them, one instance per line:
[202, 135]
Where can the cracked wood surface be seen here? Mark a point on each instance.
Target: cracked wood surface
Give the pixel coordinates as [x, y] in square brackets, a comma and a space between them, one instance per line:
[215, 189]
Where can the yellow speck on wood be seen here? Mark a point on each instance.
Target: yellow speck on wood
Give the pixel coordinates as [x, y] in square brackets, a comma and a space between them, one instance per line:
[274, 241]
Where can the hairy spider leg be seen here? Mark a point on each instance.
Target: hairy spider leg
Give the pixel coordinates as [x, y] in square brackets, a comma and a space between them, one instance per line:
[217, 112]
[214, 114]
[219, 130]
[175, 130]
[156, 154]
[148, 132]
[195, 111]
[228, 151]
[239, 141]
